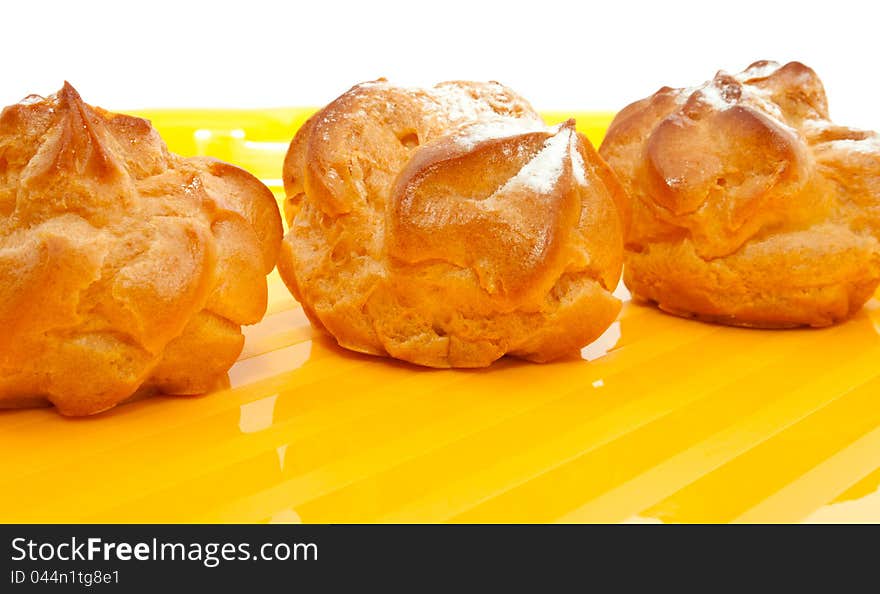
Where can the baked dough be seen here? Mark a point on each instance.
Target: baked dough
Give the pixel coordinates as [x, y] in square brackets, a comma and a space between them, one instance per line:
[123, 268]
[749, 206]
[449, 226]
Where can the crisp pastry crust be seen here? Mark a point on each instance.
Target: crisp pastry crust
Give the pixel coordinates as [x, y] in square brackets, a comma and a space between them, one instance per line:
[449, 226]
[749, 206]
[123, 268]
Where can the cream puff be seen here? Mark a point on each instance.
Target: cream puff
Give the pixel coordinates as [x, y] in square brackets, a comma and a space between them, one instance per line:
[449, 226]
[749, 206]
[123, 267]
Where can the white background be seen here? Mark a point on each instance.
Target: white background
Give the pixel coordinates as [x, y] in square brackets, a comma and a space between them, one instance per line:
[559, 55]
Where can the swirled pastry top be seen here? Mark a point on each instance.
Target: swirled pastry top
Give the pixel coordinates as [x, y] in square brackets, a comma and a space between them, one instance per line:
[449, 226]
[122, 266]
[747, 174]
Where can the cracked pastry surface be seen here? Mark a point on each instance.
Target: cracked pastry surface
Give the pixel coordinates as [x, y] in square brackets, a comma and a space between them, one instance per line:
[123, 268]
[749, 206]
[449, 226]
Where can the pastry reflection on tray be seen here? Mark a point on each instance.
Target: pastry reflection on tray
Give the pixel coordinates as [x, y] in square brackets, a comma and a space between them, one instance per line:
[665, 425]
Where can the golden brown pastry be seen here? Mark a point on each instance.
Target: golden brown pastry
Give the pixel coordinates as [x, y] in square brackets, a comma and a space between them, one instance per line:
[123, 267]
[749, 206]
[449, 226]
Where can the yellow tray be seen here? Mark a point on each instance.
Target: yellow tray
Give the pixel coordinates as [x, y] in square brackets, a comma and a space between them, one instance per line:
[662, 419]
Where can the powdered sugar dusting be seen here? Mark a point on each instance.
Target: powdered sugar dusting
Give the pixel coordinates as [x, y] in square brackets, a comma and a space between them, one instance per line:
[578, 168]
[758, 71]
[843, 138]
[707, 92]
[459, 104]
[762, 99]
[712, 95]
[474, 114]
[817, 126]
[718, 95]
[869, 145]
[478, 120]
[501, 127]
[541, 173]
